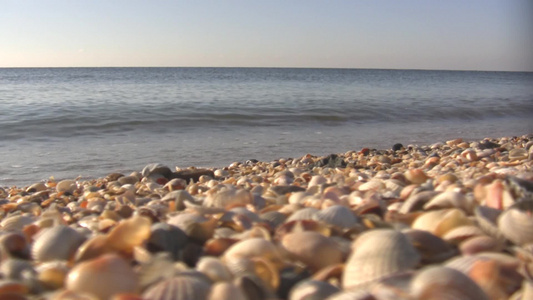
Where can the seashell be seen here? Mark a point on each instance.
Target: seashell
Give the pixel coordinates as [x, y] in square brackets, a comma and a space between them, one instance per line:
[312, 290]
[52, 275]
[178, 288]
[226, 291]
[450, 199]
[302, 225]
[432, 248]
[417, 201]
[317, 180]
[166, 238]
[227, 196]
[461, 233]
[214, 268]
[372, 185]
[197, 227]
[298, 197]
[445, 283]
[179, 198]
[274, 218]
[487, 218]
[14, 268]
[416, 176]
[516, 225]
[479, 244]
[36, 187]
[439, 222]
[378, 253]
[337, 215]
[92, 248]
[254, 247]
[66, 186]
[307, 213]
[15, 222]
[497, 195]
[313, 249]
[518, 154]
[129, 233]
[15, 245]
[156, 268]
[56, 243]
[102, 277]
[156, 168]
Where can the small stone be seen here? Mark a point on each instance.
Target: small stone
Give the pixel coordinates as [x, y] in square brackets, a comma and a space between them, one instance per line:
[397, 147]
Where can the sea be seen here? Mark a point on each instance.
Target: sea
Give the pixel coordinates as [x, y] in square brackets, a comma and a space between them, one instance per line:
[89, 122]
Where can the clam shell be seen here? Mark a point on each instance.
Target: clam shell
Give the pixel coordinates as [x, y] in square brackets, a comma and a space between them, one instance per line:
[432, 248]
[480, 243]
[439, 222]
[313, 249]
[224, 196]
[66, 186]
[307, 213]
[417, 201]
[15, 222]
[337, 215]
[461, 233]
[450, 199]
[178, 288]
[445, 283]
[254, 247]
[517, 226]
[103, 277]
[56, 243]
[487, 218]
[378, 253]
[129, 233]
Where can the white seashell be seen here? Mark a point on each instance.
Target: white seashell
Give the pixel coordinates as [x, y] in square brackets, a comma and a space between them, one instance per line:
[372, 185]
[226, 291]
[378, 253]
[313, 249]
[15, 222]
[227, 196]
[450, 199]
[317, 180]
[178, 288]
[56, 243]
[307, 213]
[337, 215]
[517, 226]
[312, 289]
[214, 269]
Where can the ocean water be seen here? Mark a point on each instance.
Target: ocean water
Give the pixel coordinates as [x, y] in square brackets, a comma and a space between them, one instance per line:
[89, 122]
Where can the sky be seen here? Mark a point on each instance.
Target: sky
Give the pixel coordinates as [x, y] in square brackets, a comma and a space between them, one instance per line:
[387, 34]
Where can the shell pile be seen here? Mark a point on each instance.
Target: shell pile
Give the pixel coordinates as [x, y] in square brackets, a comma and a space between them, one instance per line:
[451, 220]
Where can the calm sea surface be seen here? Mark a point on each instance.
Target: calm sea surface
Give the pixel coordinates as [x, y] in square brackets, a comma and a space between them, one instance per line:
[94, 121]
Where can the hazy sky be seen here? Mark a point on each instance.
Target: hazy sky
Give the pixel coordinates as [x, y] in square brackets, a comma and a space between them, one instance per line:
[405, 34]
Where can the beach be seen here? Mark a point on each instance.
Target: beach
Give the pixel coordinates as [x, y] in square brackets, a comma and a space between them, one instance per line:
[407, 222]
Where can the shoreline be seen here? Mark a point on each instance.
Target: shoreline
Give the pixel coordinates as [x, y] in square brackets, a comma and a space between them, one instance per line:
[457, 210]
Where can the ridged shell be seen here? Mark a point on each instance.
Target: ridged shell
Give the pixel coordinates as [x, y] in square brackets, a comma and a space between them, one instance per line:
[103, 277]
[517, 226]
[337, 215]
[56, 243]
[378, 253]
[313, 249]
[445, 283]
[15, 223]
[307, 213]
[480, 243]
[487, 218]
[214, 269]
[178, 288]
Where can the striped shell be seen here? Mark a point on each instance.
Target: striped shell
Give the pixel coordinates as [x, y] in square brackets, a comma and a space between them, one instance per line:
[56, 243]
[376, 254]
[178, 288]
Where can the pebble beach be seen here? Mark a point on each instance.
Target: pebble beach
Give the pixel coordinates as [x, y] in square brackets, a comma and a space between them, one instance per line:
[449, 220]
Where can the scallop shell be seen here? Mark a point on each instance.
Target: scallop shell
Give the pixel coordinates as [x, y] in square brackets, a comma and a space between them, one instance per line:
[313, 249]
[517, 226]
[178, 288]
[103, 277]
[56, 243]
[378, 253]
[337, 215]
[445, 283]
[15, 222]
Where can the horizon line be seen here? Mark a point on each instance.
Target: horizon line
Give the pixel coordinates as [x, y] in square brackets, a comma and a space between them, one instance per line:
[259, 67]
